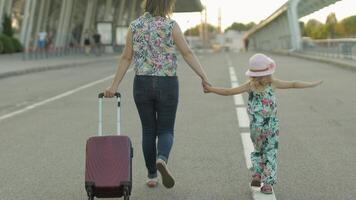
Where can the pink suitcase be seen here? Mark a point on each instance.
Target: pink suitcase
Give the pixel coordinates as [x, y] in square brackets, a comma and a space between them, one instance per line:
[108, 166]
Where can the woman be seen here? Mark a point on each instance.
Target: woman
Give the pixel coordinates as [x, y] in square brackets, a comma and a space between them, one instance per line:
[151, 44]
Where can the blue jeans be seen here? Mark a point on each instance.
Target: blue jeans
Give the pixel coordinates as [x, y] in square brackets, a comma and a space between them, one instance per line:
[156, 99]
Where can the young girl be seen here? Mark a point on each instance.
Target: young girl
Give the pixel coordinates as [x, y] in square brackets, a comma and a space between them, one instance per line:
[262, 110]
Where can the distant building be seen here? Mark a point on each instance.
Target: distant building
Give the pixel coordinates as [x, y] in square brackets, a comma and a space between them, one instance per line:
[231, 40]
[68, 20]
[194, 42]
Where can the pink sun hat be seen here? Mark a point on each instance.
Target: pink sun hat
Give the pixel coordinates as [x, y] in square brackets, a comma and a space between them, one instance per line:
[260, 65]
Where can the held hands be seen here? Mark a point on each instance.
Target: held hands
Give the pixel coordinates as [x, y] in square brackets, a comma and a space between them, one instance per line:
[109, 92]
[206, 86]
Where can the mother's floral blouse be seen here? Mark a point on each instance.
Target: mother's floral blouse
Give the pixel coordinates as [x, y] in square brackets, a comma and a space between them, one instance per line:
[153, 46]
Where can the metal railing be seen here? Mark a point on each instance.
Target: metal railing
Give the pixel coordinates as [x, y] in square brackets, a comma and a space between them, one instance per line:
[332, 48]
[45, 53]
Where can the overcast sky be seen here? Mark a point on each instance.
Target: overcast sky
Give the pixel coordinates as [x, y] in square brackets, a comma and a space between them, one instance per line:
[246, 11]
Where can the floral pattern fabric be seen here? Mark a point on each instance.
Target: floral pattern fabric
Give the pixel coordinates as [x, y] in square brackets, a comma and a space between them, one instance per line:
[264, 130]
[153, 46]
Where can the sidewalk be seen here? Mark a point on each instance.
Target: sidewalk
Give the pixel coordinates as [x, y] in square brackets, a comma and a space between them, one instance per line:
[14, 65]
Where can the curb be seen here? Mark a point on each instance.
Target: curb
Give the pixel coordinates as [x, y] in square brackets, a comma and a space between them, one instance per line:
[337, 62]
[53, 67]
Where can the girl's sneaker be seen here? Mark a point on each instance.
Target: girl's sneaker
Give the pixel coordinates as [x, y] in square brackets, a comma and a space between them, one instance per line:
[152, 182]
[256, 180]
[267, 189]
[167, 178]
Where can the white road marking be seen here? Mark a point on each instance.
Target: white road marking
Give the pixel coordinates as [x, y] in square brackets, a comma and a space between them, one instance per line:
[234, 84]
[257, 195]
[233, 77]
[238, 100]
[60, 96]
[244, 122]
[248, 148]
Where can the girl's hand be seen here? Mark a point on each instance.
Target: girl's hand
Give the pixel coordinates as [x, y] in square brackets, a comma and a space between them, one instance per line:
[109, 92]
[205, 84]
[318, 82]
[206, 87]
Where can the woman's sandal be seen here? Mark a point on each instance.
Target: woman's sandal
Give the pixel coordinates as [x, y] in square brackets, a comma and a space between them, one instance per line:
[267, 189]
[256, 180]
[152, 182]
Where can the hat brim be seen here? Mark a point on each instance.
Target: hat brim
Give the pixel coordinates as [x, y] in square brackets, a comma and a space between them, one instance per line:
[258, 74]
[270, 71]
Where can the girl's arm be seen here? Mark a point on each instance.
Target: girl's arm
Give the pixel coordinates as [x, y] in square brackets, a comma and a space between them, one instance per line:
[124, 64]
[281, 84]
[229, 91]
[187, 53]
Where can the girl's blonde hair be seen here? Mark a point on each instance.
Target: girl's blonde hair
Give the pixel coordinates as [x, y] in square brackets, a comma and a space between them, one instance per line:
[163, 8]
[260, 83]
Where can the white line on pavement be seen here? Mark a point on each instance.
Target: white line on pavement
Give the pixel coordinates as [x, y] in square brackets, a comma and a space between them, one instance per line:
[233, 77]
[234, 84]
[41, 103]
[60, 96]
[258, 195]
[238, 100]
[248, 148]
[244, 121]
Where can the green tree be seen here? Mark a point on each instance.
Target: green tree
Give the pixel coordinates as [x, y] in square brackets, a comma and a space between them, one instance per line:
[302, 29]
[315, 29]
[250, 25]
[7, 26]
[330, 25]
[237, 27]
[195, 31]
[347, 27]
[240, 26]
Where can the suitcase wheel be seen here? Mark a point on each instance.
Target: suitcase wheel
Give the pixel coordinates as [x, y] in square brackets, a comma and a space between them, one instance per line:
[126, 193]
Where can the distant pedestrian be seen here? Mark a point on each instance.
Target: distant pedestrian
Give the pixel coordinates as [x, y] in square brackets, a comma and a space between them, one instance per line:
[246, 41]
[87, 43]
[151, 44]
[49, 42]
[97, 43]
[42, 40]
[262, 110]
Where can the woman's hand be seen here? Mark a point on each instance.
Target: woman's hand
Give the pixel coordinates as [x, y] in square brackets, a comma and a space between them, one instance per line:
[206, 86]
[109, 92]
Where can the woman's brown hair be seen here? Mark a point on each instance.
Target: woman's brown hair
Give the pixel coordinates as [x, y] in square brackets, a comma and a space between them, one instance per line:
[163, 8]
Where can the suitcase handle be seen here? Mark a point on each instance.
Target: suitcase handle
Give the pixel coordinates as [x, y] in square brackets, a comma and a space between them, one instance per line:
[101, 95]
[118, 117]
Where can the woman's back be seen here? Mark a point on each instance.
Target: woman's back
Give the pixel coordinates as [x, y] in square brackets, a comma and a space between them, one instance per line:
[153, 46]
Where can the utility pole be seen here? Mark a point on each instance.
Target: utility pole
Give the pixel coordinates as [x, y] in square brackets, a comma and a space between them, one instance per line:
[206, 29]
[219, 21]
[201, 27]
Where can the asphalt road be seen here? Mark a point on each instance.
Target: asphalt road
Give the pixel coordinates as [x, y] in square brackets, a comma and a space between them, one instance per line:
[42, 149]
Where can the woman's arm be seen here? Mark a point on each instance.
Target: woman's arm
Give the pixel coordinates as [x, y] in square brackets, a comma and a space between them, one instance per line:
[228, 91]
[281, 84]
[187, 53]
[124, 64]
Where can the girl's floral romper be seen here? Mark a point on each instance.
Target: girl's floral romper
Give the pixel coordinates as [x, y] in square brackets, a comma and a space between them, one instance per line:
[264, 128]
